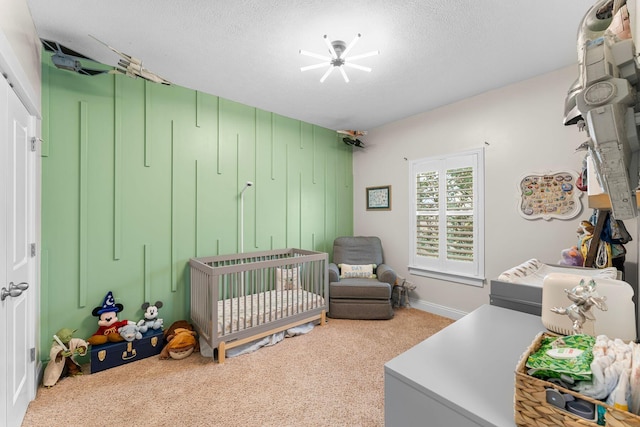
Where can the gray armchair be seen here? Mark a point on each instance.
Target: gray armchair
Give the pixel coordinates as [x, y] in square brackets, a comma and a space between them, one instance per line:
[360, 297]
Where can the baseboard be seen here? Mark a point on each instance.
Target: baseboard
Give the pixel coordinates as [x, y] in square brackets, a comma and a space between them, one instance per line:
[440, 310]
[38, 374]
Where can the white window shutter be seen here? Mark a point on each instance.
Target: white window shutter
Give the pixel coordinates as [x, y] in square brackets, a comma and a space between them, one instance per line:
[447, 217]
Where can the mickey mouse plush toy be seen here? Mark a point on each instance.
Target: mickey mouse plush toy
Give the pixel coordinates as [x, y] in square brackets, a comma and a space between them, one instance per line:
[108, 322]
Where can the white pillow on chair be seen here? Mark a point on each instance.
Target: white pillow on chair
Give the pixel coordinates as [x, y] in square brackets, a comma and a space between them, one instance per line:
[364, 271]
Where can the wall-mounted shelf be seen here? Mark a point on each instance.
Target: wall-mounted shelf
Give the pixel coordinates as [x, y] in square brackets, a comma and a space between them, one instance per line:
[602, 201]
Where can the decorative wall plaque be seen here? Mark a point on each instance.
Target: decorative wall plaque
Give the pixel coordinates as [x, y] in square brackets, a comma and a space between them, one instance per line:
[550, 195]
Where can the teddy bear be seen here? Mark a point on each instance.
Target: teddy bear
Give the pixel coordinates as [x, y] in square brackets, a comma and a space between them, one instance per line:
[150, 320]
[64, 349]
[108, 322]
[181, 341]
[130, 332]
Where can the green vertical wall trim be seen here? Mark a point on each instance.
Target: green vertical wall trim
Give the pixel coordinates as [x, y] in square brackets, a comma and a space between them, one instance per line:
[346, 173]
[196, 228]
[84, 205]
[300, 210]
[325, 198]
[286, 196]
[300, 126]
[273, 154]
[337, 199]
[218, 148]
[174, 246]
[147, 272]
[44, 127]
[239, 218]
[313, 154]
[117, 169]
[147, 108]
[198, 108]
[255, 174]
[44, 148]
[44, 285]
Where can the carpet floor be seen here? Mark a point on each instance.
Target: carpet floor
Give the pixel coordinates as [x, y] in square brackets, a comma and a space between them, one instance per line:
[332, 376]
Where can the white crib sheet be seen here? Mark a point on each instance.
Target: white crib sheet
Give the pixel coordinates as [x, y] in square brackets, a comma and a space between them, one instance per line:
[240, 313]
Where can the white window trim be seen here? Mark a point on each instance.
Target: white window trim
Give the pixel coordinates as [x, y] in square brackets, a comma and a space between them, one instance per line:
[476, 278]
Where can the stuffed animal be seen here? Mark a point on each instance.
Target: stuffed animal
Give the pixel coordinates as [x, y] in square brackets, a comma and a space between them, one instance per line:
[130, 332]
[571, 256]
[150, 320]
[108, 322]
[64, 349]
[181, 341]
[585, 234]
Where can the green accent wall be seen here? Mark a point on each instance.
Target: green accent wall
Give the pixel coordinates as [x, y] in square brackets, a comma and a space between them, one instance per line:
[139, 177]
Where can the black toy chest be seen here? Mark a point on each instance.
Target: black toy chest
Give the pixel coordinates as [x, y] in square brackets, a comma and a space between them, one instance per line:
[110, 355]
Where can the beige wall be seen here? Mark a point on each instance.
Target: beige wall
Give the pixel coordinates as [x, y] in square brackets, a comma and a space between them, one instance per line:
[522, 127]
[21, 49]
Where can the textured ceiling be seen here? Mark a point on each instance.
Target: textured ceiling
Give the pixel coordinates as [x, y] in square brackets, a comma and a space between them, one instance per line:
[432, 52]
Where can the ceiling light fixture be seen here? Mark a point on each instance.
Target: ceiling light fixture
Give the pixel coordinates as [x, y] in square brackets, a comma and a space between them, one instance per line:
[338, 59]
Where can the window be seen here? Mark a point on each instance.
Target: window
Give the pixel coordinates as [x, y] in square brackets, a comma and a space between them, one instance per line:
[447, 223]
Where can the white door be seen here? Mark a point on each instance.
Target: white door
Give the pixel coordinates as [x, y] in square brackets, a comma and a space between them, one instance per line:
[17, 287]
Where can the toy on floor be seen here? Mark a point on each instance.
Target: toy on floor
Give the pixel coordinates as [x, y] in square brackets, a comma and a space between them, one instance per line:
[64, 349]
[400, 292]
[108, 322]
[181, 341]
[150, 320]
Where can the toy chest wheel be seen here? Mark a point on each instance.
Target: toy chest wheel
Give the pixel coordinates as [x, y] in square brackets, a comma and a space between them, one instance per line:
[110, 355]
[532, 409]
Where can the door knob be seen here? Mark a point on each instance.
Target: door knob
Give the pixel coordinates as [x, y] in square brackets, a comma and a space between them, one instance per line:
[14, 290]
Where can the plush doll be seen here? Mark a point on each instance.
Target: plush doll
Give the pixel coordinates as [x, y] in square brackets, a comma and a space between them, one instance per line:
[181, 341]
[130, 332]
[64, 349]
[150, 320]
[181, 344]
[571, 256]
[585, 234]
[108, 322]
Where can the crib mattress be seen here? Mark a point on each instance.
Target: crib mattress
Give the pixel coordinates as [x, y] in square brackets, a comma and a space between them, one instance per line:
[240, 313]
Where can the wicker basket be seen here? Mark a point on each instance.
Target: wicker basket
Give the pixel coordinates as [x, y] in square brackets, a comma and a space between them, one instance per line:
[532, 409]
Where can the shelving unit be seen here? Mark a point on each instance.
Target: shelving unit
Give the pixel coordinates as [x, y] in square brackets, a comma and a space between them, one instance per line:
[602, 201]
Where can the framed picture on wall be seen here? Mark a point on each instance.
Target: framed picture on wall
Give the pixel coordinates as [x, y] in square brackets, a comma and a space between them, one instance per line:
[379, 198]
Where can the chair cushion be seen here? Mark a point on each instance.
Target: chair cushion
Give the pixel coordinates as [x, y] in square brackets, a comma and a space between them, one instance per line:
[357, 250]
[359, 288]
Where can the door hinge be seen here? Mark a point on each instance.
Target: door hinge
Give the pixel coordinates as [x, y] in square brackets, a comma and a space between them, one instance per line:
[32, 353]
[33, 250]
[34, 141]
